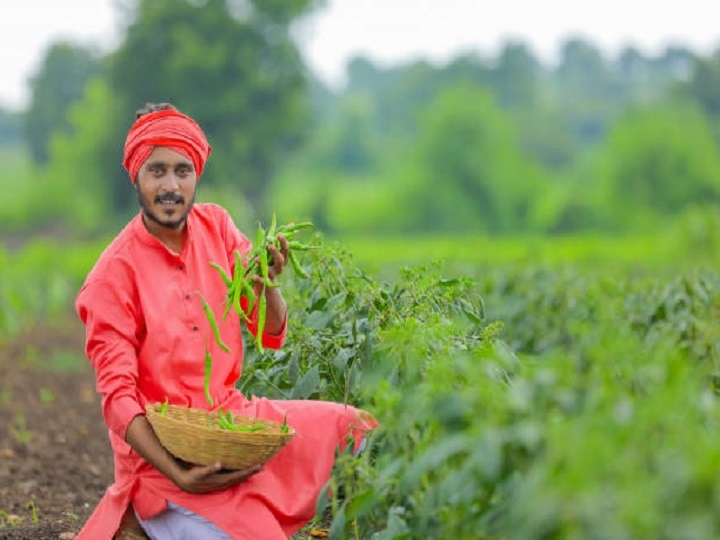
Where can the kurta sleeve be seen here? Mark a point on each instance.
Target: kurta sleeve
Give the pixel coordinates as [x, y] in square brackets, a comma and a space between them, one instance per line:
[109, 315]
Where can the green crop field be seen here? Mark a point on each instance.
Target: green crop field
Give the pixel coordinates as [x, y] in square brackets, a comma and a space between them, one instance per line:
[550, 389]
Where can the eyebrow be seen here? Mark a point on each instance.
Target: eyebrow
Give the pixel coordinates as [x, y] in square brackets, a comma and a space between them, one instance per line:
[165, 164]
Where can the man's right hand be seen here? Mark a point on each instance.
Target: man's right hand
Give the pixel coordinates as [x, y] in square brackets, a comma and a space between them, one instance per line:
[199, 479]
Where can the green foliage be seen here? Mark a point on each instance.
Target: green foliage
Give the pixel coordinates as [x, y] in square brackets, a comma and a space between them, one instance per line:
[16, 180]
[230, 65]
[347, 142]
[522, 401]
[653, 169]
[341, 318]
[515, 77]
[588, 408]
[59, 84]
[81, 196]
[472, 174]
[608, 431]
[703, 84]
[498, 145]
[41, 282]
[695, 234]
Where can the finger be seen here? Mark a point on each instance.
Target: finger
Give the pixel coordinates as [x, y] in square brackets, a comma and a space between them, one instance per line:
[284, 246]
[235, 477]
[278, 261]
[204, 471]
[258, 285]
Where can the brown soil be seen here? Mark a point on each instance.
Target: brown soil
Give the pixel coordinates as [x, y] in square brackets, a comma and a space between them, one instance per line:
[55, 459]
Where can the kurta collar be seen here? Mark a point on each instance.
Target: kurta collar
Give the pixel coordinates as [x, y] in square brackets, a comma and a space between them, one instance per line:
[148, 239]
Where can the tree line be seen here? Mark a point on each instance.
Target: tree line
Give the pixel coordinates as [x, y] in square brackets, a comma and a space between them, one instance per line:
[501, 145]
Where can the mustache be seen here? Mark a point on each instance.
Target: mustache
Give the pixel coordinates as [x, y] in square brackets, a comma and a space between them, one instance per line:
[170, 197]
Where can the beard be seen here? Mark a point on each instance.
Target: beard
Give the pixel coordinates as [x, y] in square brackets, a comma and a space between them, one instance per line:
[165, 218]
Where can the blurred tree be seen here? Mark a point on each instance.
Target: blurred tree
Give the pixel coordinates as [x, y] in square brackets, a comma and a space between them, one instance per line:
[657, 162]
[676, 62]
[515, 76]
[399, 94]
[703, 84]
[582, 69]
[59, 84]
[70, 194]
[586, 90]
[471, 173]
[348, 142]
[232, 65]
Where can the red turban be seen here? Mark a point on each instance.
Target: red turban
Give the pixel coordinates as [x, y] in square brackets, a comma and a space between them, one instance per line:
[169, 128]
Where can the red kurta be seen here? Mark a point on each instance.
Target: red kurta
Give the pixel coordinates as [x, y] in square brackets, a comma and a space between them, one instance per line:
[146, 336]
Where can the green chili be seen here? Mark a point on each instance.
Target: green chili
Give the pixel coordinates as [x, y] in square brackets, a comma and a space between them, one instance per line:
[250, 295]
[241, 281]
[251, 427]
[237, 293]
[213, 323]
[262, 310]
[234, 284]
[226, 421]
[299, 270]
[297, 246]
[224, 275]
[264, 269]
[260, 239]
[208, 372]
[228, 303]
[222, 420]
[238, 267]
[229, 418]
[273, 225]
[294, 227]
[284, 428]
[164, 406]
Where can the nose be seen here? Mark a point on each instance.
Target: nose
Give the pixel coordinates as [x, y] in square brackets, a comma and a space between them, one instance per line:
[170, 182]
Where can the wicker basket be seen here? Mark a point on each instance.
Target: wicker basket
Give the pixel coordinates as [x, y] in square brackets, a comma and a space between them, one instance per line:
[193, 435]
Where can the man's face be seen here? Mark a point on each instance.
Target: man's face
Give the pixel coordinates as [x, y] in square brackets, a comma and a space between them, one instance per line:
[166, 187]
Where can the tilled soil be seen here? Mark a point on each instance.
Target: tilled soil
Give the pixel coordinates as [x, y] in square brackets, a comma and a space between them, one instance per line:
[55, 458]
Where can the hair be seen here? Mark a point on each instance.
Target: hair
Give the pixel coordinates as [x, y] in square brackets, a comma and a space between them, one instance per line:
[154, 107]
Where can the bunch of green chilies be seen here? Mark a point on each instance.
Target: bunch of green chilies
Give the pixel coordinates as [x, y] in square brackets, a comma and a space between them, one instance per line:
[240, 284]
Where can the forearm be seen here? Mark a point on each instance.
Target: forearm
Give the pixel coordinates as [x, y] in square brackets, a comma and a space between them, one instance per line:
[195, 479]
[141, 437]
[276, 310]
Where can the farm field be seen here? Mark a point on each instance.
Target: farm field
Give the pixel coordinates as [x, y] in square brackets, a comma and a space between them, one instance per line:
[517, 268]
[55, 460]
[569, 395]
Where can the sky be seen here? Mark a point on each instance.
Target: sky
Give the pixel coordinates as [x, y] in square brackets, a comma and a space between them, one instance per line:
[386, 31]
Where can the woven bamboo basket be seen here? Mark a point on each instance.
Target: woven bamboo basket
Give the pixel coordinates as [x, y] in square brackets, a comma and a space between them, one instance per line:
[193, 435]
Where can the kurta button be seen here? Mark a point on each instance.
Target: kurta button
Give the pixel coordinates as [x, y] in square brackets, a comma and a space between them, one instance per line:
[181, 267]
[187, 297]
[195, 329]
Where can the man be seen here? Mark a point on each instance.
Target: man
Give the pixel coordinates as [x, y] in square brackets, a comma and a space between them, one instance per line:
[146, 334]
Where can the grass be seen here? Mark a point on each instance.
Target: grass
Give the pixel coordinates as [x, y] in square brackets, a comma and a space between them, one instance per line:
[585, 251]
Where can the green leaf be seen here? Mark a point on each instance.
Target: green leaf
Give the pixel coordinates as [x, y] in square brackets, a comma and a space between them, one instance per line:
[318, 320]
[308, 384]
